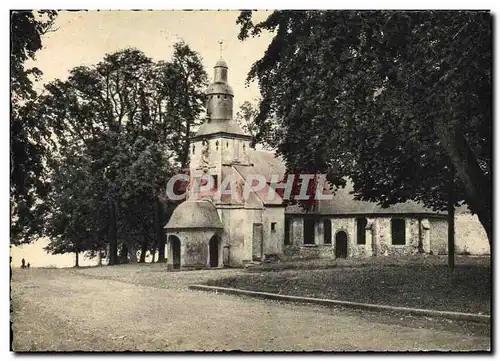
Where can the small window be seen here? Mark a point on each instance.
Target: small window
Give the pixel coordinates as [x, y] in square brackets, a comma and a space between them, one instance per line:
[360, 230]
[273, 226]
[287, 232]
[398, 232]
[327, 231]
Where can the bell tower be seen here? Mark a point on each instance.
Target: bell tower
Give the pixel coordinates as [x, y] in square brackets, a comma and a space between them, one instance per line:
[219, 142]
[220, 95]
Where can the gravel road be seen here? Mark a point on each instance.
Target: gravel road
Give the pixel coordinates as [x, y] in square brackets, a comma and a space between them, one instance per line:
[97, 310]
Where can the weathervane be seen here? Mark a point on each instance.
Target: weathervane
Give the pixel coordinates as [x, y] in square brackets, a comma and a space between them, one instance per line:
[220, 48]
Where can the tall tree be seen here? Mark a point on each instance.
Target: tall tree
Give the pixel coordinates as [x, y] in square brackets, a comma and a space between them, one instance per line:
[179, 86]
[192, 80]
[127, 115]
[71, 225]
[387, 98]
[27, 133]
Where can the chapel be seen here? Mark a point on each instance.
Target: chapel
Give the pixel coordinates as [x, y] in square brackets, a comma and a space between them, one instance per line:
[213, 232]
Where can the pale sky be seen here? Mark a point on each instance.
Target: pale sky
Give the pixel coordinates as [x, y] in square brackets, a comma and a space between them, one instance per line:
[84, 37]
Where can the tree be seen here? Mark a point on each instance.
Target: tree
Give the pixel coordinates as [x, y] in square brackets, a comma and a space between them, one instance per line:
[127, 116]
[246, 117]
[71, 224]
[397, 101]
[27, 133]
[190, 81]
[177, 104]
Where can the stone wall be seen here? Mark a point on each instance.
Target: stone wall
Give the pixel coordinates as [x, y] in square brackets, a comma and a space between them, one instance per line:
[222, 150]
[420, 234]
[194, 248]
[214, 157]
[348, 226]
[307, 252]
[273, 240]
[238, 226]
[382, 239]
[439, 236]
[470, 236]
[297, 231]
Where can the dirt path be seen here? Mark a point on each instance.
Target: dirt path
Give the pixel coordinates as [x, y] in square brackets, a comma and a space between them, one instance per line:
[65, 310]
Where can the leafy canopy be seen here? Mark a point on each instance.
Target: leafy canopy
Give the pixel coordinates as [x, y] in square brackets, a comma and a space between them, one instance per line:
[399, 102]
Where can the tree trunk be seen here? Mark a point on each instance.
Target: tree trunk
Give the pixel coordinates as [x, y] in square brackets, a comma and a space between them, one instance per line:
[144, 249]
[160, 236]
[132, 253]
[451, 221]
[123, 254]
[477, 185]
[112, 235]
[77, 264]
[99, 258]
[185, 144]
[153, 254]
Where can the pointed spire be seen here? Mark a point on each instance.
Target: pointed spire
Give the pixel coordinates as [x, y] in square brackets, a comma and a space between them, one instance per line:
[220, 49]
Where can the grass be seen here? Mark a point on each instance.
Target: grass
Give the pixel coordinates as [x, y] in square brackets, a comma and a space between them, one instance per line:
[407, 282]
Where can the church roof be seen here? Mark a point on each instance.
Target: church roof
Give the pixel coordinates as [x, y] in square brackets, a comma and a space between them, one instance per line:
[221, 63]
[343, 203]
[220, 126]
[220, 88]
[262, 194]
[194, 214]
[266, 163]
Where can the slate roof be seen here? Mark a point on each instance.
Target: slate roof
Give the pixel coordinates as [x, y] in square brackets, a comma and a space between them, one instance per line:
[194, 214]
[262, 195]
[220, 88]
[266, 163]
[220, 126]
[343, 203]
[221, 62]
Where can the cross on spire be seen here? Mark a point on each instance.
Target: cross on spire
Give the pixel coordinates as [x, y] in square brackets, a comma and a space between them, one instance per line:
[220, 48]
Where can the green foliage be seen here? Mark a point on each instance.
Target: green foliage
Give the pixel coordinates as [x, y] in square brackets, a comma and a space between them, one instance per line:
[391, 99]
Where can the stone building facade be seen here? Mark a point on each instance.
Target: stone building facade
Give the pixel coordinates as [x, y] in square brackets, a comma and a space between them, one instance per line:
[218, 232]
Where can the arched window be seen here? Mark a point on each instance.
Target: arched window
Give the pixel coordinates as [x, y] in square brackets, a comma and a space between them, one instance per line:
[360, 230]
[398, 231]
[327, 231]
